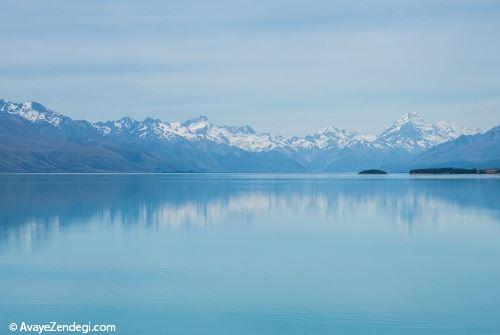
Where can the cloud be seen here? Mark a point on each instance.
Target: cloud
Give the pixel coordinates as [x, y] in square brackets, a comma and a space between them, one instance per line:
[344, 63]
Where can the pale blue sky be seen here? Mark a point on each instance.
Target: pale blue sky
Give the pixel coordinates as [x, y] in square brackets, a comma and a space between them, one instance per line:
[281, 66]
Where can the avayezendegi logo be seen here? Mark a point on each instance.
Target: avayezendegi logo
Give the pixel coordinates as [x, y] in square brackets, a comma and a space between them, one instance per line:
[54, 326]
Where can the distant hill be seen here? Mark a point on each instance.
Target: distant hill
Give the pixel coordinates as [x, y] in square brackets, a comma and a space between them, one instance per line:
[24, 148]
[474, 151]
[34, 138]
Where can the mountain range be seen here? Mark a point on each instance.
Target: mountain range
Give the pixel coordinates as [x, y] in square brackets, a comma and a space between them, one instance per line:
[34, 138]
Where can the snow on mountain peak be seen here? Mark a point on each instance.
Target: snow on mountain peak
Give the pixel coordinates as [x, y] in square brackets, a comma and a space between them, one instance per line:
[126, 123]
[243, 130]
[411, 133]
[454, 130]
[200, 119]
[335, 132]
[329, 137]
[412, 118]
[32, 112]
[199, 124]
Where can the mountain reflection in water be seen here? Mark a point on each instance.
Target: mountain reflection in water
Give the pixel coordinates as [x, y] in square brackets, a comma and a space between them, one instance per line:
[35, 207]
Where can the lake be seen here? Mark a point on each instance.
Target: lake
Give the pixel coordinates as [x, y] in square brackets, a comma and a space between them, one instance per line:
[252, 253]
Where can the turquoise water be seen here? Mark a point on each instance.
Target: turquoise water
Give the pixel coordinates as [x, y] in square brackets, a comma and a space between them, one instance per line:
[252, 254]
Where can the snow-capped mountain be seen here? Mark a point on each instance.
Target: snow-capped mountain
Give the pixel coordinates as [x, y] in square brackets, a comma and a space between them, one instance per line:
[199, 145]
[329, 138]
[195, 130]
[409, 133]
[474, 151]
[412, 134]
[32, 112]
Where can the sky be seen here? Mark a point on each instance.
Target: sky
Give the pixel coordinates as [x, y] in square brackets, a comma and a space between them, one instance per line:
[287, 67]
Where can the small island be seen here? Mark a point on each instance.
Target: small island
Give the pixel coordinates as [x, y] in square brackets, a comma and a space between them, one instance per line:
[372, 171]
[455, 171]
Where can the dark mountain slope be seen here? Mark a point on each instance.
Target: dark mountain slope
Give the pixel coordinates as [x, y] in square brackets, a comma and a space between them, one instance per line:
[473, 151]
[24, 148]
[34, 138]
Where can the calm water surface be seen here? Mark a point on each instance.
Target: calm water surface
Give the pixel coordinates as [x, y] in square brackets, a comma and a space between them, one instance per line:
[252, 254]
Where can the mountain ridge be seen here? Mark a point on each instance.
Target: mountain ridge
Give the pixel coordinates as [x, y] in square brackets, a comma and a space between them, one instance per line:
[197, 144]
